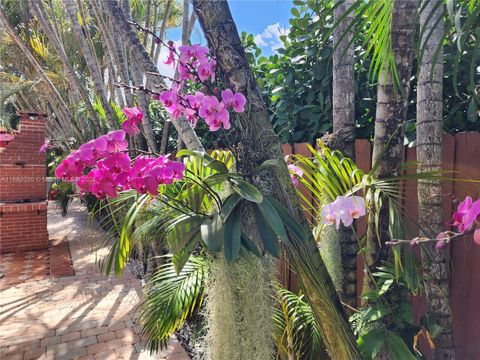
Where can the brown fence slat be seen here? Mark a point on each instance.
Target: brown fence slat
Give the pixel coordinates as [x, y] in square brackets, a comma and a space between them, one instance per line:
[363, 154]
[465, 283]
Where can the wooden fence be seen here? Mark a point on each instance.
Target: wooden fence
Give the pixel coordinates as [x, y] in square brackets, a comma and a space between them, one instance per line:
[461, 154]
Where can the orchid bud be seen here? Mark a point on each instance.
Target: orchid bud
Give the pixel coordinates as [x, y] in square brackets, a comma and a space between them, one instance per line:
[441, 244]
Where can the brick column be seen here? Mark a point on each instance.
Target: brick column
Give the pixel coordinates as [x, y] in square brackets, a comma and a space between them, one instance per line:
[23, 208]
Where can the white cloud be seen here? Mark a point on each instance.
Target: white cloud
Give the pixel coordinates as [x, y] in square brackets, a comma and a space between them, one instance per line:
[270, 37]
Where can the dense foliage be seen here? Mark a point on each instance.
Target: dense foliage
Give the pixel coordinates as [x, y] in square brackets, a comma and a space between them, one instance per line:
[297, 80]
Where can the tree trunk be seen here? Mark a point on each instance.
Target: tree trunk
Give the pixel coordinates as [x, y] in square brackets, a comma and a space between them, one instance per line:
[429, 157]
[143, 103]
[54, 38]
[163, 28]
[121, 62]
[392, 101]
[62, 108]
[90, 60]
[109, 49]
[260, 143]
[344, 139]
[141, 57]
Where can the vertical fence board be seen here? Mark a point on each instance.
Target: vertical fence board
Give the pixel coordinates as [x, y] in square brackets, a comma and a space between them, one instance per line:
[465, 284]
[363, 154]
[283, 266]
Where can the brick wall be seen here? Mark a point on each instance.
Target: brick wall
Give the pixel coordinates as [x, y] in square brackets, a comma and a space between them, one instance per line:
[22, 167]
[23, 209]
[23, 227]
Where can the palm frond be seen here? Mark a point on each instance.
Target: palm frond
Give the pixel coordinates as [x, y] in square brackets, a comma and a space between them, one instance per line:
[296, 333]
[171, 299]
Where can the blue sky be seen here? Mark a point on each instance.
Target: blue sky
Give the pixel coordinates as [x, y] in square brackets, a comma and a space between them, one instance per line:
[265, 19]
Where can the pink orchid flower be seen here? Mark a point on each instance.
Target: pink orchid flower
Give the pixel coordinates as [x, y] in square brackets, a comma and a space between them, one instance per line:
[171, 54]
[85, 182]
[295, 173]
[193, 53]
[344, 209]
[214, 113]
[237, 101]
[116, 141]
[206, 70]
[195, 101]
[466, 214]
[68, 170]
[169, 99]
[103, 185]
[134, 118]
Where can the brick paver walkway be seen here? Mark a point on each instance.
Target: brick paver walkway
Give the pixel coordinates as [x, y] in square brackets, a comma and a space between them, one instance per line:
[85, 316]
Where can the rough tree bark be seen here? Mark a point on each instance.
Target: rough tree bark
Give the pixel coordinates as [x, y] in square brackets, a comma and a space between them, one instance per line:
[343, 100]
[259, 143]
[429, 157]
[392, 100]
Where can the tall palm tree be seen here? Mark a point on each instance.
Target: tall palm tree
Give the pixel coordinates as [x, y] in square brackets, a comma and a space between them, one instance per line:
[343, 103]
[429, 157]
[63, 112]
[37, 9]
[392, 101]
[90, 59]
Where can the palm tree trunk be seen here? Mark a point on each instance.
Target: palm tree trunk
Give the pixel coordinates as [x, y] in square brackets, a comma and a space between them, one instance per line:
[64, 112]
[147, 21]
[122, 65]
[54, 38]
[259, 143]
[343, 100]
[155, 25]
[392, 101]
[429, 157]
[110, 53]
[163, 28]
[90, 60]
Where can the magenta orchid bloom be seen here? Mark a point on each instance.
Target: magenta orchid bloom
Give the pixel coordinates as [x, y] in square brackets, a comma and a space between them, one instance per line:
[206, 70]
[344, 209]
[171, 54]
[134, 118]
[236, 101]
[116, 141]
[194, 53]
[104, 184]
[68, 170]
[466, 214]
[214, 113]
